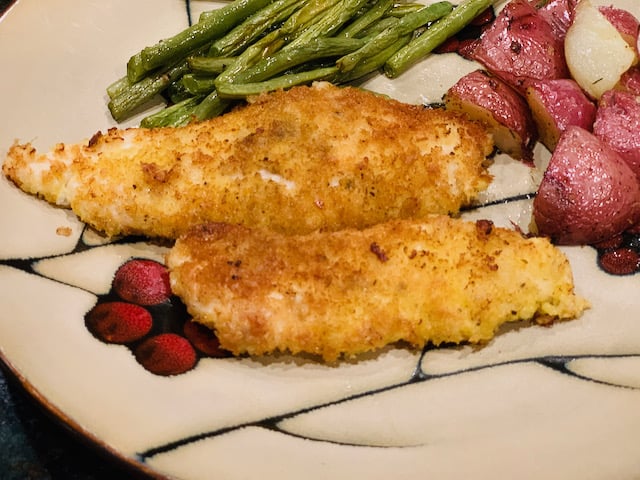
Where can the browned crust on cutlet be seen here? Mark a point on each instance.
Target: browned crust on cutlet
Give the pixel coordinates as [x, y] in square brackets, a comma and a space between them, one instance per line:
[295, 161]
[348, 292]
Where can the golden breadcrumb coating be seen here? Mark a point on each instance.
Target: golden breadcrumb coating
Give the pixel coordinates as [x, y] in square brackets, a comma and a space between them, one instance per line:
[343, 293]
[310, 158]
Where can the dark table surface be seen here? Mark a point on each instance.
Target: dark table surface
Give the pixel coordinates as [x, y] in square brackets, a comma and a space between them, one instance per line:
[33, 446]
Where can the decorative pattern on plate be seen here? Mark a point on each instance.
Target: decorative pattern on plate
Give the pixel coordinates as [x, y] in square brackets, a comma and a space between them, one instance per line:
[536, 402]
[141, 312]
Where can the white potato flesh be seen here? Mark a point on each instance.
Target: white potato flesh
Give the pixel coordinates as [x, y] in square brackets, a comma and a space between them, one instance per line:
[597, 55]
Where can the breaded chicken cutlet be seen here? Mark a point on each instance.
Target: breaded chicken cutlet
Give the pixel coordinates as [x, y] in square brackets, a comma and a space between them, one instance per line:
[311, 158]
[343, 293]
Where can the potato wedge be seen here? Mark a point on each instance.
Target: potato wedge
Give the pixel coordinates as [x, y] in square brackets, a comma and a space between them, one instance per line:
[588, 193]
[597, 55]
[617, 124]
[630, 81]
[626, 23]
[489, 100]
[558, 13]
[520, 45]
[556, 104]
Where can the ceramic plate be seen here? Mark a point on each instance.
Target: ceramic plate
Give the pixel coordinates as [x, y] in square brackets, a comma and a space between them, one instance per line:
[560, 402]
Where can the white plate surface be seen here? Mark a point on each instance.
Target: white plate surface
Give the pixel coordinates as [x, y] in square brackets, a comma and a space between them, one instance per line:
[554, 403]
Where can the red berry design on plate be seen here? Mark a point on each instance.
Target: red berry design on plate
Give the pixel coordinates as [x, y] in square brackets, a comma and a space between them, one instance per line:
[621, 261]
[166, 354]
[141, 312]
[610, 243]
[118, 322]
[144, 282]
[204, 339]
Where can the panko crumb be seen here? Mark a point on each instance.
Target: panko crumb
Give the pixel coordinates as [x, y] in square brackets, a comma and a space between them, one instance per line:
[295, 161]
[339, 294]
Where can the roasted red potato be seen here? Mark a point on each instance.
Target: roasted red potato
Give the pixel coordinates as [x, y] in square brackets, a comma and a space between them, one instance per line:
[487, 99]
[617, 124]
[521, 45]
[556, 104]
[558, 13]
[630, 81]
[588, 193]
[625, 22]
[465, 40]
[596, 53]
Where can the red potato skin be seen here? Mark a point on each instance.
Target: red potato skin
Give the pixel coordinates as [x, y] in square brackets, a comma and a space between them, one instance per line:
[625, 22]
[555, 105]
[588, 193]
[617, 125]
[630, 81]
[521, 45]
[499, 107]
[464, 41]
[558, 13]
